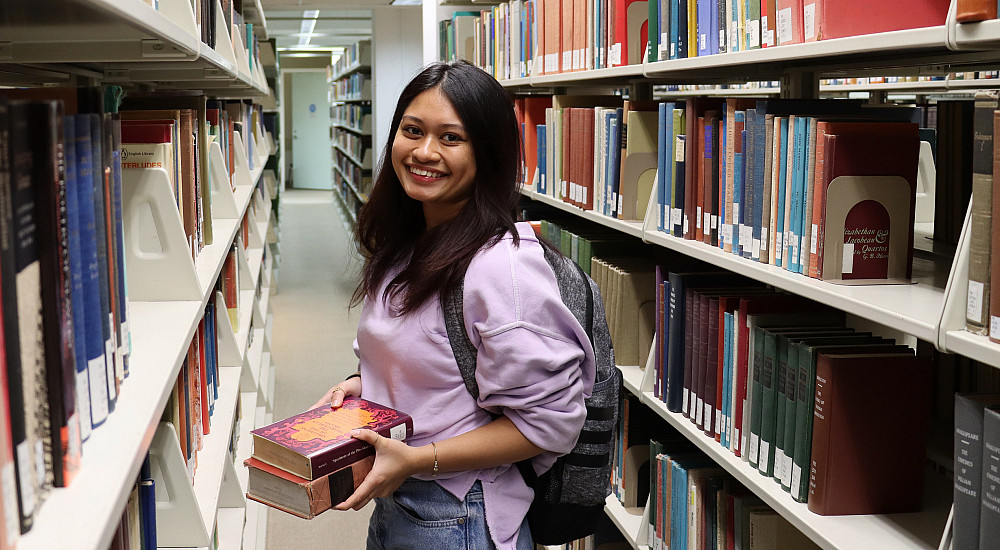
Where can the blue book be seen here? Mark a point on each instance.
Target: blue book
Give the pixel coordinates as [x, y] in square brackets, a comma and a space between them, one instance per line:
[682, 29]
[669, 154]
[713, 22]
[661, 164]
[610, 124]
[87, 269]
[704, 26]
[101, 177]
[124, 338]
[798, 192]
[779, 227]
[724, 205]
[543, 187]
[147, 506]
[617, 125]
[747, 206]
[727, 349]
[678, 505]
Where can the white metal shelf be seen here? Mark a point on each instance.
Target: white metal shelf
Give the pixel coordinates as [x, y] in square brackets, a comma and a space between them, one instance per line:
[89, 509]
[887, 532]
[212, 456]
[352, 129]
[633, 228]
[350, 183]
[628, 522]
[358, 66]
[350, 156]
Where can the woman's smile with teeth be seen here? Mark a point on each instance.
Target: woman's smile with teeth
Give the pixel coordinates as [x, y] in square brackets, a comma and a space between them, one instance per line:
[425, 173]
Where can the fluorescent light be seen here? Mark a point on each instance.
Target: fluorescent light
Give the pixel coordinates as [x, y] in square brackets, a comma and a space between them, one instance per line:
[406, 3]
[307, 27]
[309, 34]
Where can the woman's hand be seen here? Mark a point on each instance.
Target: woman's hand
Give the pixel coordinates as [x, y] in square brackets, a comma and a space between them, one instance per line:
[394, 462]
[334, 397]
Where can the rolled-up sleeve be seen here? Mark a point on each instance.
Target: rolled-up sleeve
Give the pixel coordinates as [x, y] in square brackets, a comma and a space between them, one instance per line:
[535, 364]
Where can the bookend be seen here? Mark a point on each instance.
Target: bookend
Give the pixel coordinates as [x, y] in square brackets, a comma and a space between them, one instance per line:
[178, 516]
[157, 253]
[223, 201]
[229, 354]
[231, 494]
[957, 289]
[222, 46]
[242, 176]
[240, 51]
[180, 13]
[649, 219]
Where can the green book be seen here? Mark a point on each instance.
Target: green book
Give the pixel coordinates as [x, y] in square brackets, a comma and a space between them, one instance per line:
[786, 375]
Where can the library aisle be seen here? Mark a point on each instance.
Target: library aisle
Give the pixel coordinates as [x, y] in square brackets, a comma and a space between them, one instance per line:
[311, 345]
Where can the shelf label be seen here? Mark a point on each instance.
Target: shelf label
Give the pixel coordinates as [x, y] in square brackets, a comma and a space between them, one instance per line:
[847, 260]
[160, 49]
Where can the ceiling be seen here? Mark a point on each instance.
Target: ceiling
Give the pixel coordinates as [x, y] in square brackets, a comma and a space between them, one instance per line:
[338, 23]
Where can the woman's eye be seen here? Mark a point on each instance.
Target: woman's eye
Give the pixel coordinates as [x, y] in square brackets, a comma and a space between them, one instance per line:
[411, 130]
[451, 138]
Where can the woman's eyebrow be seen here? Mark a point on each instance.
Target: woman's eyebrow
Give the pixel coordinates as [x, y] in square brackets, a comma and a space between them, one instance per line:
[449, 125]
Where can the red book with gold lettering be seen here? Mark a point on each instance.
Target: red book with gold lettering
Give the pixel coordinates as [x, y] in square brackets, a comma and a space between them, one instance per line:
[317, 442]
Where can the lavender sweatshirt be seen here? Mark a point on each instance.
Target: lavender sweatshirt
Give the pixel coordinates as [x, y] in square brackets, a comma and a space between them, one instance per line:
[535, 365]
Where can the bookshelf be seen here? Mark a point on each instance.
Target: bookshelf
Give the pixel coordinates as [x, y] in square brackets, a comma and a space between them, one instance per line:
[931, 309]
[135, 45]
[351, 127]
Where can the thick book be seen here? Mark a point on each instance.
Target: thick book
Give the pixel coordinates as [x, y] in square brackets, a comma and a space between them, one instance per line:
[978, 298]
[303, 497]
[317, 442]
[868, 448]
[969, 414]
[994, 253]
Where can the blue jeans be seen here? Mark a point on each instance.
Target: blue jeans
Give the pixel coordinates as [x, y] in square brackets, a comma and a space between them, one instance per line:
[422, 515]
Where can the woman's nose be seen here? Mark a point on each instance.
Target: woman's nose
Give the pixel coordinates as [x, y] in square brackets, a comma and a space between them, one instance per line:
[427, 149]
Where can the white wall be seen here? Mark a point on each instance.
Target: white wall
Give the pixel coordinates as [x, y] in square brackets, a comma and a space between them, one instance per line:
[396, 58]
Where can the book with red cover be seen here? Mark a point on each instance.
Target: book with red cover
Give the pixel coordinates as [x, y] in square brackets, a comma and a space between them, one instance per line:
[882, 153]
[318, 441]
[693, 164]
[789, 17]
[842, 18]
[303, 497]
[534, 114]
[870, 425]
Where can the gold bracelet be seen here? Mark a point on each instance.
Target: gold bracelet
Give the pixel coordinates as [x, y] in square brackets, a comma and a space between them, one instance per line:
[434, 472]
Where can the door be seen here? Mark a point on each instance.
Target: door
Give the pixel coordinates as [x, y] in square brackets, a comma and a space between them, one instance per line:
[311, 156]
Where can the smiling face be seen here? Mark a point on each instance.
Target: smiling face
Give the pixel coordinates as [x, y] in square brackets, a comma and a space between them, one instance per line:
[433, 158]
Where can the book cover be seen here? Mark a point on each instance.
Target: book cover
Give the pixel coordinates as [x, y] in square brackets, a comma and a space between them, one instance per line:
[994, 303]
[789, 21]
[867, 450]
[969, 419]
[968, 11]
[11, 408]
[303, 497]
[867, 230]
[534, 115]
[316, 442]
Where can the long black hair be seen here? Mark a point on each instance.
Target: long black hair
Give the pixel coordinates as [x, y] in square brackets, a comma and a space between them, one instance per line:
[391, 229]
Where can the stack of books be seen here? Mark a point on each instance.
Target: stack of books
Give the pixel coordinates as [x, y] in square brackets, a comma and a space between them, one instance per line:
[309, 462]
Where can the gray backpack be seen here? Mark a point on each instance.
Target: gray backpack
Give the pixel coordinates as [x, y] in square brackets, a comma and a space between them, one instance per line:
[569, 498]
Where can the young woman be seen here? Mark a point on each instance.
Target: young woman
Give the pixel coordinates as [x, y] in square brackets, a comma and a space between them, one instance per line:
[442, 211]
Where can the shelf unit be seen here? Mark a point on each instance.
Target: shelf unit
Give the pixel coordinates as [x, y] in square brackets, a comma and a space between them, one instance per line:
[133, 44]
[931, 309]
[350, 130]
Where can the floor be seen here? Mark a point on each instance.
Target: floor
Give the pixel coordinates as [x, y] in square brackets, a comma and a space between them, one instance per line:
[312, 344]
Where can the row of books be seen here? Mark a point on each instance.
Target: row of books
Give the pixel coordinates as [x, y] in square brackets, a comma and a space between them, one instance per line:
[64, 307]
[825, 188]
[353, 115]
[357, 147]
[305, 475]
[763, 374]
[207, 20]
[355, 87]
[358, 54]
[519, 38]
[977, 470]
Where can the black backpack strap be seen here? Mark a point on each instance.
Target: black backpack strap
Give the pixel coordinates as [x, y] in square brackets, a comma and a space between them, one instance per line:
[461, 345]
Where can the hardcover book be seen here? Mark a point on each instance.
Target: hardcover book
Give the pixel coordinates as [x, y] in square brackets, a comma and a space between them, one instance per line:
[302, 497]
[317, 442]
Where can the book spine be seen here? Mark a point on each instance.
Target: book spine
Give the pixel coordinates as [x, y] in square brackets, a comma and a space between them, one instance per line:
[978, 297]
[994, 303]
[756, 396]
[768, 378]
[804, 395]
[791, 416]
[968, 469]
[989, 511]
[101, 176]
[780, 401]
[819, 454]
